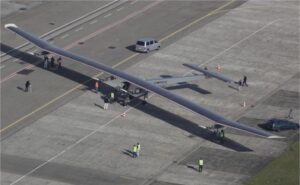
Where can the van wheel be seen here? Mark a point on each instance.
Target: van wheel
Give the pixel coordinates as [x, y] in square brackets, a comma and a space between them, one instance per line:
[147, 51]
[158, 48]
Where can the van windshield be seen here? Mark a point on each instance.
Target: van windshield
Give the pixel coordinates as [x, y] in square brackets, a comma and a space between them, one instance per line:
[140, 43]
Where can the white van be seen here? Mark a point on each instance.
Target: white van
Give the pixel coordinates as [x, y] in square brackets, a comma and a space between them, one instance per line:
[146, 45]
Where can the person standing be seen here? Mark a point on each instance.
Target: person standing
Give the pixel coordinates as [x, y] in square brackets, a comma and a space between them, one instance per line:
[112, 97]
[46, 58]
[245, 81]
[105, 107]
[200, 164]
[45, 64]
[138, 149]
[222, 135]
[290, 116]
[52, 60]
[59, 67]
[97, 86]
[27, 86]
[134, 151]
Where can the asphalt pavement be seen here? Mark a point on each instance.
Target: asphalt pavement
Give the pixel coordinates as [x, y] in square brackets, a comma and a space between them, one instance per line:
[129, 21]
[59, 133]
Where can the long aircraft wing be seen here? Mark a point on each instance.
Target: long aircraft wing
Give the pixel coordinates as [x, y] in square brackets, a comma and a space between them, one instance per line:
[139, 82]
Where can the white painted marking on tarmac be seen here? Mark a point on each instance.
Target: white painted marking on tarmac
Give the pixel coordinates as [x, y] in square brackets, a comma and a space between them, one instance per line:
[107, 15]
[102, 126]
[237, 43]
[41, 165]
[16, 60]
[94, 21]
[78, 29]
[72, 145]
[234, 45]
[64, 36]
[71, 22]
[120, 9]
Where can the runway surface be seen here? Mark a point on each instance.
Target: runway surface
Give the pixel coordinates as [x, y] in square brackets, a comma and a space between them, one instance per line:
[59, 133]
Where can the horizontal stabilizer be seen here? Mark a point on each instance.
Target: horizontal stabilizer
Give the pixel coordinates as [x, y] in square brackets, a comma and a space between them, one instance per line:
[208, 73]
[165, 81]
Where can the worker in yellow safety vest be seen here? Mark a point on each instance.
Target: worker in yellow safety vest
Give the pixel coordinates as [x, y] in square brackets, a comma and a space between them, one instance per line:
[134, 151]
[112, 96]
[200, 163]
[138, 149]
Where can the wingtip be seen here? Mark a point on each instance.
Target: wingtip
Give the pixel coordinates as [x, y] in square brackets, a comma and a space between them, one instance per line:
[276, 137]
[10, 25]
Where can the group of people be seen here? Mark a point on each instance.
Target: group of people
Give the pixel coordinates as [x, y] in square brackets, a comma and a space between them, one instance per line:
[136, 153]
[217, 132]
[220, 135]
[50, 63]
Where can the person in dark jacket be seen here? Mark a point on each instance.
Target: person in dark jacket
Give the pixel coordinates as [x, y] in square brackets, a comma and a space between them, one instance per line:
[52, 60]
[245, 81]
[27, 86]
[105, 106]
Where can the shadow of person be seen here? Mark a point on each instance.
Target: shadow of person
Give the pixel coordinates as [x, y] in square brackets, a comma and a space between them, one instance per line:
[97, 105]
[192, 167]
[21, 89]
[128, 152]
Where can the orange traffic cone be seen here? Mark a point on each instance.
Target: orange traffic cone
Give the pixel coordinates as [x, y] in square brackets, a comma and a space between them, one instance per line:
[243, 104]
[218, 67]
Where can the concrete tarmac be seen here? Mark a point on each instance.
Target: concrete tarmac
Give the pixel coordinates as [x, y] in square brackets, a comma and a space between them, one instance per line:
[77, 142]
[109, 50]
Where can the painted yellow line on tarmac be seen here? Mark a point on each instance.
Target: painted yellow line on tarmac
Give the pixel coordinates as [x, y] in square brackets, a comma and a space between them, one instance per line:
[114, 66]
[196, 21]
[126, 60]
[40, 108]
[64, 94]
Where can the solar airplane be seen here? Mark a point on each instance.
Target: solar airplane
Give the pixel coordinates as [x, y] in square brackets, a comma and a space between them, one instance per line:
[144, 84]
